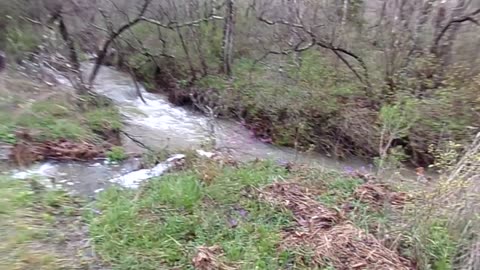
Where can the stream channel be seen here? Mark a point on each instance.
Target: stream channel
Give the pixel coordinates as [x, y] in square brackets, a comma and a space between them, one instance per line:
[161, 125]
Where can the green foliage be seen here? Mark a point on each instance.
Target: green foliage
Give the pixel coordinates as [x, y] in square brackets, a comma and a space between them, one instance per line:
[178, 213]
[21, 40]
[433, 244]
[116, 154]
[181, 191]
[212, 36]
[57, 118]
[440, 246]
[104, 119]
[30, 219]
[397, 119]
[7, 134]
[211, 81]
[393, 160]
[446, 156]
[51, 127]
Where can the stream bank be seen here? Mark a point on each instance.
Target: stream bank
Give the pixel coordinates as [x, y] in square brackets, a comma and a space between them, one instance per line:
[164, 127]
[235, 214]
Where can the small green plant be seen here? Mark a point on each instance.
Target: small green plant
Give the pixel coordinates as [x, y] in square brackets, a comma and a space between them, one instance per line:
[102, 119]
[446, 156]
[7, 135]
[395, 121]
[179, 212]
[116, 154]
[393, 160]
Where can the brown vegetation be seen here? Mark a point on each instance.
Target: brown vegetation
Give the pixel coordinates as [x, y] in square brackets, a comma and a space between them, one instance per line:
[333, 240]
[27, 152]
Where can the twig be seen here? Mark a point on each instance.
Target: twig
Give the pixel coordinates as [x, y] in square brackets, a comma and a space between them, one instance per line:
[468, 17]
[141, 144]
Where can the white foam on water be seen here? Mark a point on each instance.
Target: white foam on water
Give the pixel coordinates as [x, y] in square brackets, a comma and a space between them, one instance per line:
[43, 170]
[134, 179]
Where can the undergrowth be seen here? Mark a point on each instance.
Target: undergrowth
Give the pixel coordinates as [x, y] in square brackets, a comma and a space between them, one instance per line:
[35, 226]
[51, 116]
[163, 224]
[179, 212]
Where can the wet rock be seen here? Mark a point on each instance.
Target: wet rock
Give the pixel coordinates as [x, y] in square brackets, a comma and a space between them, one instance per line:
[3, 61]
[134, 179]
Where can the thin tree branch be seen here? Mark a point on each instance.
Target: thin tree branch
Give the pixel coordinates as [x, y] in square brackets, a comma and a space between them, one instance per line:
[468, 17]
[103, 52]
[338, 51]
[174, 25]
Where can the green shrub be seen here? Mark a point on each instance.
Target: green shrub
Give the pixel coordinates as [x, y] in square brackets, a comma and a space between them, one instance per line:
[117, 153]
[7, 134]
[22, 39]
[104, 119]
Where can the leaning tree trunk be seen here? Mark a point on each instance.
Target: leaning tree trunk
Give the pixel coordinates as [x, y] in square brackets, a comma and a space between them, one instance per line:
[228, 29]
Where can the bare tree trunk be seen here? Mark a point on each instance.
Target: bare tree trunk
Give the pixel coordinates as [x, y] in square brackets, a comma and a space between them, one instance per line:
[198, 38]
[228, 29]
[187, 53]
[72, 52]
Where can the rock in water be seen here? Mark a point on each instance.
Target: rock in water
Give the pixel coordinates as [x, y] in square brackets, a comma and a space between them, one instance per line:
[3, 61]
[134, 179]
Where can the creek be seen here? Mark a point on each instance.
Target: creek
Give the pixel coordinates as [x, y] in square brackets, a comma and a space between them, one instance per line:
[162, 126]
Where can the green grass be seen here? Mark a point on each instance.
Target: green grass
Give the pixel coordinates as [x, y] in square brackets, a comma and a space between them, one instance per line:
[116, 154]
[57, 118]
[29, 236]
[107, 118]
[179, 212]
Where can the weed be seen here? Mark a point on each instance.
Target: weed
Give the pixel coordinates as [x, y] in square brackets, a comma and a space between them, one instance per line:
[7, 135]
[116, 154]
[28, 227]
[102, 119]
[177, 213]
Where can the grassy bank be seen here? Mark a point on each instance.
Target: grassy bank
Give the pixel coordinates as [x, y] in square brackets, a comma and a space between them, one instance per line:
[41, 229]
[315, 106]
[261, 216]
[32, 114]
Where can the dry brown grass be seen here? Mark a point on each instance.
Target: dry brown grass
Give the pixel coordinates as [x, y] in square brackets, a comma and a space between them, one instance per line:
[209, 258]
[333, 240]
[308, 213]
[376, 195]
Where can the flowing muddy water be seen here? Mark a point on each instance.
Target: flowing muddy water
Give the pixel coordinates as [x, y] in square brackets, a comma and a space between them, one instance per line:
[161, 125]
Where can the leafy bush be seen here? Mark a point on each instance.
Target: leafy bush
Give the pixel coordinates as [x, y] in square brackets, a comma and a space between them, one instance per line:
[21, 40]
